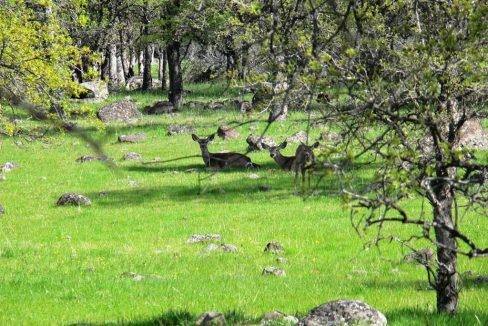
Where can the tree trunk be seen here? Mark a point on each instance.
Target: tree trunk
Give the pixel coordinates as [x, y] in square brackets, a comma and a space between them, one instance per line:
[446, 283]
[112, 72]
[146, 76]
[163, 74]
[175, 94]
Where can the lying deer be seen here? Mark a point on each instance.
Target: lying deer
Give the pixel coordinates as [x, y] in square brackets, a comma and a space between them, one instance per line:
[285, 162]
[222, 160]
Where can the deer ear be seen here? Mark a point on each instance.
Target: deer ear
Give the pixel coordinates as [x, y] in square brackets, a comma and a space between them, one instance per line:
[211, 137]
[283, 144]
[315, 145]
[194, 137]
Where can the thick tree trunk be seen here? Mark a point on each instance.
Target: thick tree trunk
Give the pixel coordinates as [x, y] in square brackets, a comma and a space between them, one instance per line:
[146, 76]
[112, 72]
[175, 95]
[120, 70]
[446, 284]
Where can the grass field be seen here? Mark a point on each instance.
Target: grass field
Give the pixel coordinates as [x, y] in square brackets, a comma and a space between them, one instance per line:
[65, 265]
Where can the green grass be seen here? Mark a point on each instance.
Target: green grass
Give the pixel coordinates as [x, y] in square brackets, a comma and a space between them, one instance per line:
[65, 265]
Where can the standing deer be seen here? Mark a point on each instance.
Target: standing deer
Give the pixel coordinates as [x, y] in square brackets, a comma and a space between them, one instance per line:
[304, 160]
[285, 162]
[222, 160]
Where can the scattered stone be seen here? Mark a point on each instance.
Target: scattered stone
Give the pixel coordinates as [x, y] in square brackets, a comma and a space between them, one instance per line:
[134, 276]
[215, 106]
[180, 129]
[89, 158]
[133, 138]
[281, 260]
[226, 132]
[202, 238]
[253, 176]
[227, 247]
[135, 83]
[103, 193]
[195, 105]
[211, 318]
[257, 143]
[344, 312]
[73, 199]
[274, 247]
[2, 210]
[160, 107]
[275, 271]
[481, 280]
[230, 248]
[122, 111]
[132, 156]
[94, 90]
[330, 137]
[473, 136]
[264, 188]
[243, 106]
[278, 318]
[9, 166]
[424, 256]
[299, 137]
[291, 320]
[279, 112]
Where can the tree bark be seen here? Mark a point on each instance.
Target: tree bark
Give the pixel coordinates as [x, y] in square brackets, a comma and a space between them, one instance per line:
[175, 94]
[112, 72]
[162, 68]
[146, 76]
[446, 282]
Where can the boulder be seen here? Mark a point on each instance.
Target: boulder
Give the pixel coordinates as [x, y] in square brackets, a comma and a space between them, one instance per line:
[344, 312]
[273, 271]
[9, 166]
[473, 136]
[278, 318]
[274, 247]
[160, 107]
[243, 106]
[299, 137]
[122, 111]
[203, 238]
[133, 138]
[257, 143]
[135, 83]
[73, 199]
[132, 156]
[226, 132]
[211, 318]
[224, 247]
[95, 90]
[180, 129]
[215, 106]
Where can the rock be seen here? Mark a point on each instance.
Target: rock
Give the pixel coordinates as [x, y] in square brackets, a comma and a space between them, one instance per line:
[243, 106]
[2, 210]
[180, 129]
[202, 238]
[281, 260]
[226, 132]
[344, 312]
[132, 156]
[227, 247]
[134, 276]
[211, 318]
[481, 280]
[278, 318]
[299, 137]
[274, 247]
[330, 137]
[133, 138]
[423, 256]
[257, 143]
[9, 166]
[89, 158]
[215, 106]
[279, 112]
[253, 176]
[230, 248]
[160, 107]
[274, 271]
[473, 136]
[122, 111]
[95, 90]
[135, 83]
[195, 105]
[73, 199]
[264, 187]
[292, 320]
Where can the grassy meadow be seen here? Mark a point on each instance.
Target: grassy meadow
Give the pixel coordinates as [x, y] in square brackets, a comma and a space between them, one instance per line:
[67, 265]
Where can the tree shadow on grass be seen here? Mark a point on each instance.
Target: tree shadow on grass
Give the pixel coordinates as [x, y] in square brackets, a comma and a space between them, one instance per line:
[414, 316]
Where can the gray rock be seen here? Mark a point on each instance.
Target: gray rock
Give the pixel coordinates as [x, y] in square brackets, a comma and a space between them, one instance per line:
[2, 210]
[211, 318]
[264, 187]
[73, 199]
[278, 318]
[274, 271]
[473, 136]
[133, 138]
[344, 312]
[274, 247]
[89, 158]
[281, 260]
[94, 90]
[195, 105]
[215, 106]
[132, 156]
[9, 166]
[180, 129]
[203, 238]
[299, 137]
[279, 112]
[134, 276]
[122, 111]
[243, 106]
[257, 143]
[160, 107]
[227, 247]
[135, 83]
[226, 132]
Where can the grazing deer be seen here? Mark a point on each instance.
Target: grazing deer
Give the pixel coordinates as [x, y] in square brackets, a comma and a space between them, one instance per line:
[285, 162]
[222, 160]
[304, 160]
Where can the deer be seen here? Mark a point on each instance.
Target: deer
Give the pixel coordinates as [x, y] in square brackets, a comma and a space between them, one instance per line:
[304, 161]
[222, 160]
[285, 162]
